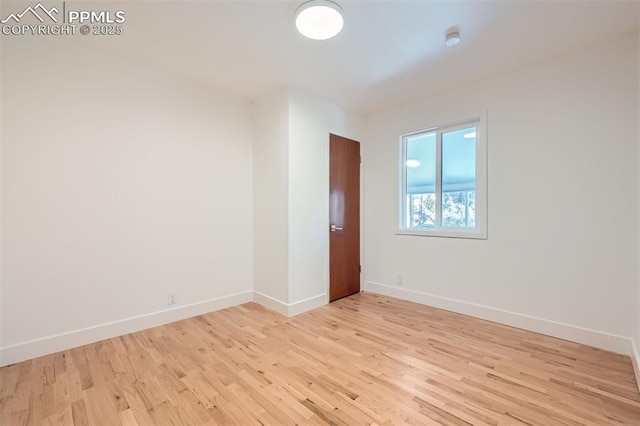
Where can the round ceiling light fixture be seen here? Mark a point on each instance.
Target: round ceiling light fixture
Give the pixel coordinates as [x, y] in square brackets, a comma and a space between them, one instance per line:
[470, 135]
[412, 162]
[452, 38]
[319, 19]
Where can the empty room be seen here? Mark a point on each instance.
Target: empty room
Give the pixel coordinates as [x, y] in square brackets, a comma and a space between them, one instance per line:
[346, 212]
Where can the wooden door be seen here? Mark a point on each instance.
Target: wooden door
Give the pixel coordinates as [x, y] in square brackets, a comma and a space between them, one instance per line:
[344, 217]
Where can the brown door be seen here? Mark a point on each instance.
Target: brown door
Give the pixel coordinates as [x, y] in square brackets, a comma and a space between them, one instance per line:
[344, 217]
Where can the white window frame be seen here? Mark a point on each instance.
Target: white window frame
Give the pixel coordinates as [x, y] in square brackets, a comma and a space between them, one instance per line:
[480, 231]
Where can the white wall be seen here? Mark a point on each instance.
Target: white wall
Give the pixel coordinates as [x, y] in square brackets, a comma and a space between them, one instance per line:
[119, 184]
[636, 363]
[270, 183]
[562, 247]
[291, 198]
[311, 119]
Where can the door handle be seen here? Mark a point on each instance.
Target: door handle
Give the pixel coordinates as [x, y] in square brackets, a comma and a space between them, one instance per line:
[334, 228]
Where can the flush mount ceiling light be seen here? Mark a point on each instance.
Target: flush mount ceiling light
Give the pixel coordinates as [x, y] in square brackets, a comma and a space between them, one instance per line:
[413, 163]
[452, 38]
[319, 19]
[469, 135]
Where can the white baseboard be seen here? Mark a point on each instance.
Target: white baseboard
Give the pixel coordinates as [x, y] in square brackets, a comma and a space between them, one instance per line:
[307, 304]
[60, 342]
[271, 303]
[610, 342]
[289, 309]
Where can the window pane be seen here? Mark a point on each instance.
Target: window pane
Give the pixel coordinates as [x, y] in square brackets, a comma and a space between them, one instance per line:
[421, 180]
[459, 178]
[421, 211]
[454, 209]
[471, 202]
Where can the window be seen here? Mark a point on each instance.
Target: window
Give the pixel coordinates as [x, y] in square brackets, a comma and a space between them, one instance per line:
[443, 181]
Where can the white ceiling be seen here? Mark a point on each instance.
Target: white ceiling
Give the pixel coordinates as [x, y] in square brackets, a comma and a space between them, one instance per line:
[390, 51]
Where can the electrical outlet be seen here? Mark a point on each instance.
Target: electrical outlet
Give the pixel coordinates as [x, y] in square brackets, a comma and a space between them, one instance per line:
[172, 298]
[399, 279]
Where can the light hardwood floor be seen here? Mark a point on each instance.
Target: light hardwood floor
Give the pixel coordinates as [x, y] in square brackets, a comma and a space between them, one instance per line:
[366, 359]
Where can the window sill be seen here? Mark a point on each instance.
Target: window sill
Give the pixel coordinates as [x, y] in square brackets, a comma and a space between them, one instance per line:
[458, 233]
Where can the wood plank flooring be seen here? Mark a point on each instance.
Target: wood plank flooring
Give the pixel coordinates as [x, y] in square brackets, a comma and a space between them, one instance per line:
[366, 359]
